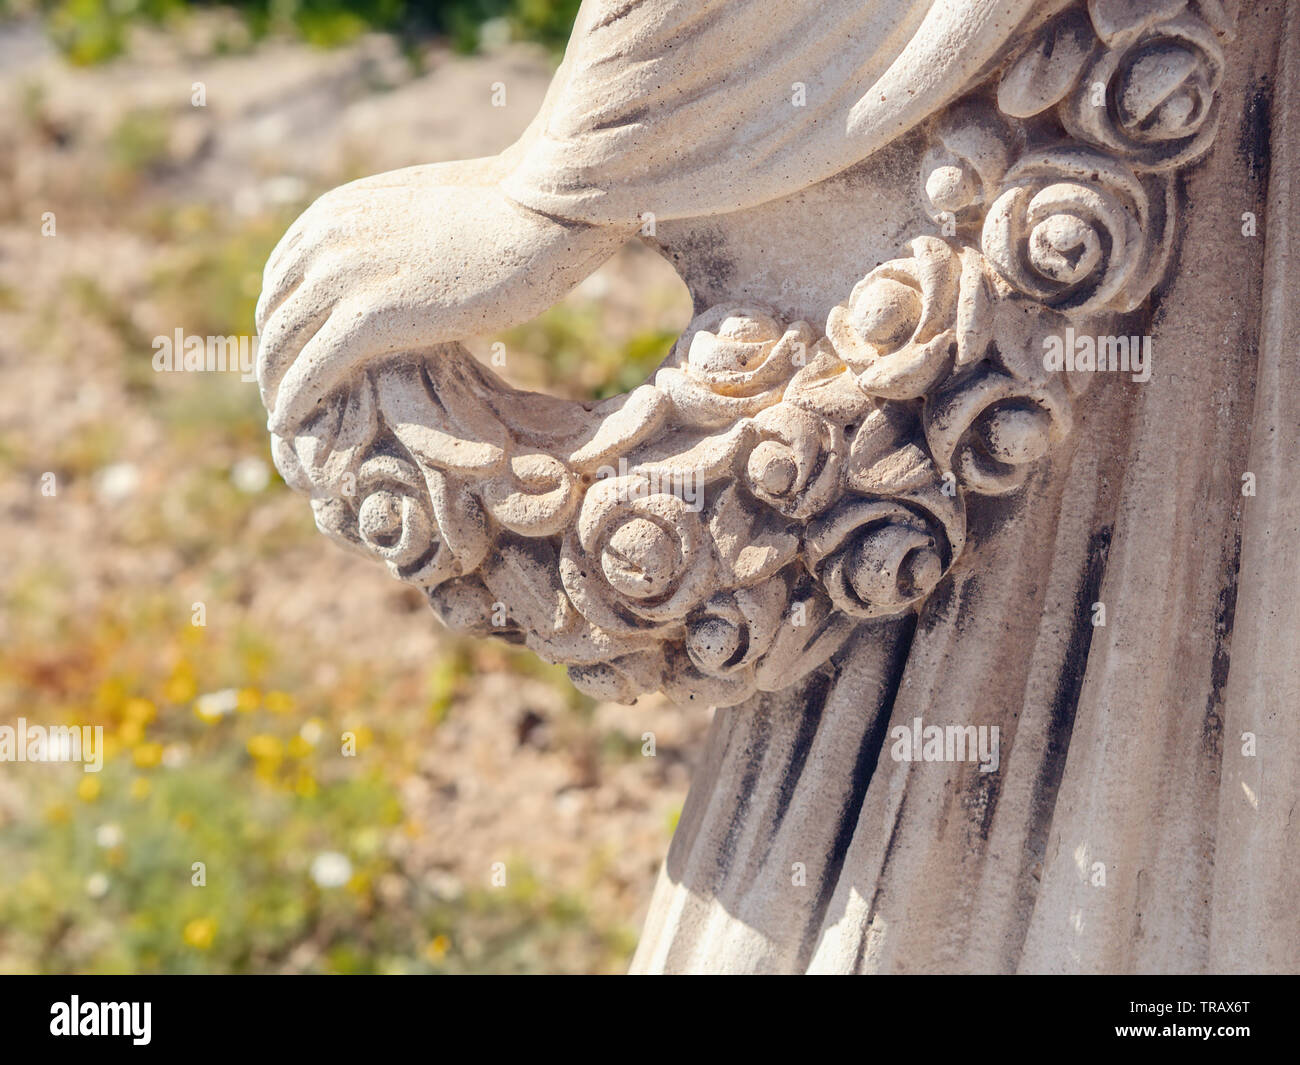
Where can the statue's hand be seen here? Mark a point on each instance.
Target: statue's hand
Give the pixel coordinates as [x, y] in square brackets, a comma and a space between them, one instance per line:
[402, 261]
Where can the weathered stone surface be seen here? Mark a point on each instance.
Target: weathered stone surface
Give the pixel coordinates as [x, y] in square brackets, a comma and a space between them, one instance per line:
[859, 491]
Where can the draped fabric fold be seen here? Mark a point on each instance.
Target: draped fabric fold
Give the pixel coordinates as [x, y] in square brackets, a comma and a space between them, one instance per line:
[686, 108]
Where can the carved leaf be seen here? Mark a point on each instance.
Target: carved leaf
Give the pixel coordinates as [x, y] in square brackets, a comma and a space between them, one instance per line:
[1048, 69]
[753, 543]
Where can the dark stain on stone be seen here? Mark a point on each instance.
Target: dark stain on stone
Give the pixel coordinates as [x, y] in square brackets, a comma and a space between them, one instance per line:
[814, 704]
[985, 790]
[1254, 139]
[702, 259]
[756, 730]
[1225, 614]
[863, 770]
[1065, 705]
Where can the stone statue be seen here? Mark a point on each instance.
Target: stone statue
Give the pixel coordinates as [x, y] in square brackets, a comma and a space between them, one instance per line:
[956, 440]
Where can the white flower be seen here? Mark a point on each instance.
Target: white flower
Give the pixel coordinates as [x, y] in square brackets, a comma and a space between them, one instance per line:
[116, 483]
[330, 869]
[97, 885]
[311, 731]
[250, 475]
[108, 836]
[175, 755]
[217, 704]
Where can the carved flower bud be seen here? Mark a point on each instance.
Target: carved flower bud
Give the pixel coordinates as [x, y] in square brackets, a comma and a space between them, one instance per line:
[623, 678]
[641, 558]
[733, 361]
[733, 629]
[991, 428]
[961, 173]
[465, 605]
[742, 340]
[773, 468]
[951, 188]
[893, 564]
[715, 642]
[1014, 433]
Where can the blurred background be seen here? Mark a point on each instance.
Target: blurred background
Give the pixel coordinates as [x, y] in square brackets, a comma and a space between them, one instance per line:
[128, 211]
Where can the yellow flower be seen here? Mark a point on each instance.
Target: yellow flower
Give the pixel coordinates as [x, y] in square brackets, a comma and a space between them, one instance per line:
[299, 748]
[249, 699]
[110, 694]
[140, 711]
[279, 702]
[147, 755]
[181, 688]
[306, 785]
[265, 747]
[184, 820]
[130, 732]
[140, 788]
[200, 932]
[59, 813]
[437, 948]
[88, 788]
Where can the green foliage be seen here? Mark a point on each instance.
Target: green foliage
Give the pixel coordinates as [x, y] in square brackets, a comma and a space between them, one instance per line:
[208, 759]
[91, 31]
[576, 353]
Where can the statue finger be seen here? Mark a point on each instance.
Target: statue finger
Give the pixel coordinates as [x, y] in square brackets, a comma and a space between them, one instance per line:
[345, 341]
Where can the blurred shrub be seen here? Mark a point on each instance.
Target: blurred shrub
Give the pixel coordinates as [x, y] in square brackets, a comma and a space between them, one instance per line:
[90, 31]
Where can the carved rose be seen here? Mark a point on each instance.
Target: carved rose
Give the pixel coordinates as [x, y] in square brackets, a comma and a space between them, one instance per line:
[877, 557]
[638, 555]
[1159, 107]
[738, 361]
[991, 428]
[794, 467]
[1071, 231]
[730, 632]
[746, 352]
[395, 521]
[900, 329]
[623, 678]
[761, 639]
